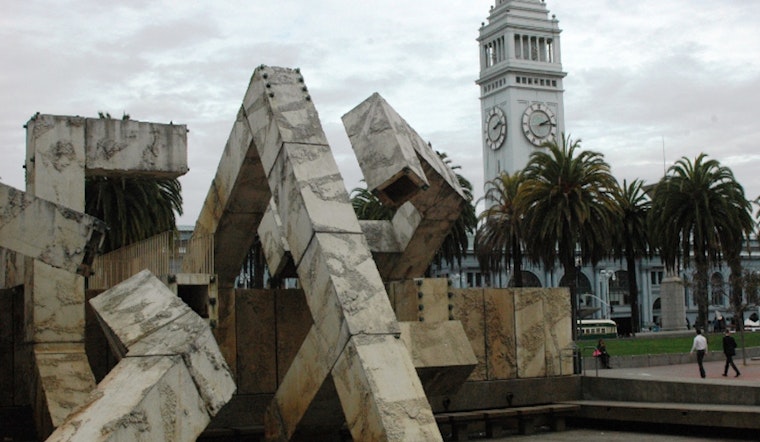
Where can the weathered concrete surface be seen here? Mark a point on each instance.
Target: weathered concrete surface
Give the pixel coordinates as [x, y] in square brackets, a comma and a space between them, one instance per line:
[422, 299]
[516, 333]
[56, 365]
[441, 354]
[130, 147]
[172, 379]
[344, 291]
[386, 150]
[106, 146]
[392, 155]
[163, 405]
[59, 316]
[273, 241]
[49, 232]
[60, 151]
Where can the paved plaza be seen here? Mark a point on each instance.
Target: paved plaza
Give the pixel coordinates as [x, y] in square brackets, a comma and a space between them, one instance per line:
[750, 376]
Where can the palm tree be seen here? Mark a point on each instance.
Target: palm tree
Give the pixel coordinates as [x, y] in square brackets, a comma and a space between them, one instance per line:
[133, 208]
[632, 237]
[734, 228]
[454, 246]
[569, 208]
[498, 239]
[697, 210]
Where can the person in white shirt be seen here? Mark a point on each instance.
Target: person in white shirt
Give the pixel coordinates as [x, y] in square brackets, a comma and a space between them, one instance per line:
[700, 346]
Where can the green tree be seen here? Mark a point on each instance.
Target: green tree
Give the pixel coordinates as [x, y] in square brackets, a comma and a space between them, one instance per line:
[696, 214]
[133, 208]
[498, 239]
[632, 237]
[569, 209]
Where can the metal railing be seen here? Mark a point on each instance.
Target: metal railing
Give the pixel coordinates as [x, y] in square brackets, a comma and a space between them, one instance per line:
[162, 254]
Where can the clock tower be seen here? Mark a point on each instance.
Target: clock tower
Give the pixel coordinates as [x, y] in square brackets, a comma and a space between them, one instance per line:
[520, 84]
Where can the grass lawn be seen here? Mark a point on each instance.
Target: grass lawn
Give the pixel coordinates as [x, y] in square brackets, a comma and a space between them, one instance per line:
[652, 344]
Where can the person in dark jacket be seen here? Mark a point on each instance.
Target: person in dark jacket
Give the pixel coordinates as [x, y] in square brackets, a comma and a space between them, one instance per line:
[729, 349]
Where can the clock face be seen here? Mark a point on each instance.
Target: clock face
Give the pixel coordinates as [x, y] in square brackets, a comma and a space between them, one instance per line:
[496, 128]
[539, 124]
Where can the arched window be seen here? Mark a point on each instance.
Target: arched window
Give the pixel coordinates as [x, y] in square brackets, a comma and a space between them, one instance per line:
[583, 284]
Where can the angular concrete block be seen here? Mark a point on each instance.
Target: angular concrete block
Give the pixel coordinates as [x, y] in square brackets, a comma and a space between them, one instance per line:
[405, 221]
[400, 167]
[54, 234]
[422, 299]
[280, 110]
[190, 337]
[310, 195]
[53, 304]
[382, 396]
[441, 354]
[145, 318]
[273, 242]
[501, 342]
[63, 382]
[386, 156]
[147, 398]
[136, 308]
[137, 148]
[343, 288]
[55, 159]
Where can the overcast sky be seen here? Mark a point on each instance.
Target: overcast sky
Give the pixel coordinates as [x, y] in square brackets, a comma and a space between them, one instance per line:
[648, 81]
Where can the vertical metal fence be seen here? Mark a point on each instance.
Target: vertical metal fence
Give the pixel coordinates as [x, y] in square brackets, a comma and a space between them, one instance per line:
[162, 254]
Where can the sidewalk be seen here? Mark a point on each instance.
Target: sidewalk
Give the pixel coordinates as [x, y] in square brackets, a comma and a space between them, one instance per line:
[750, 373]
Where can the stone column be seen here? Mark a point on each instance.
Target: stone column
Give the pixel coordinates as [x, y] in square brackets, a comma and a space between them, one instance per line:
[54, 298]
[672, 303]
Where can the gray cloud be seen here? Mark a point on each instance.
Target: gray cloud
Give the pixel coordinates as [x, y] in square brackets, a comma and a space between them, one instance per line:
[639, 74]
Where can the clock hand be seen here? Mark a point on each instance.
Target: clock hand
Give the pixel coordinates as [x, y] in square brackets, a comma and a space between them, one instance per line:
[496, 126]
[549, 122]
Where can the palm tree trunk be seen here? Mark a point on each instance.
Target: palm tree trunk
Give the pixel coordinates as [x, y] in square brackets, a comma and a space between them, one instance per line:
[735, 281]
[633, 292]
[700, 293]
[517, 257]
[572, 275]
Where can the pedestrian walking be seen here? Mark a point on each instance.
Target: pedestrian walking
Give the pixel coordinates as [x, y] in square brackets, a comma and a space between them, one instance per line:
[729, 349]
[700, 346]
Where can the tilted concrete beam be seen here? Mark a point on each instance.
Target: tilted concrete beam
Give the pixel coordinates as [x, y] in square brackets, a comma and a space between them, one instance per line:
[54, 234]
[355, 333]
[171, 380]
[391, 155]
